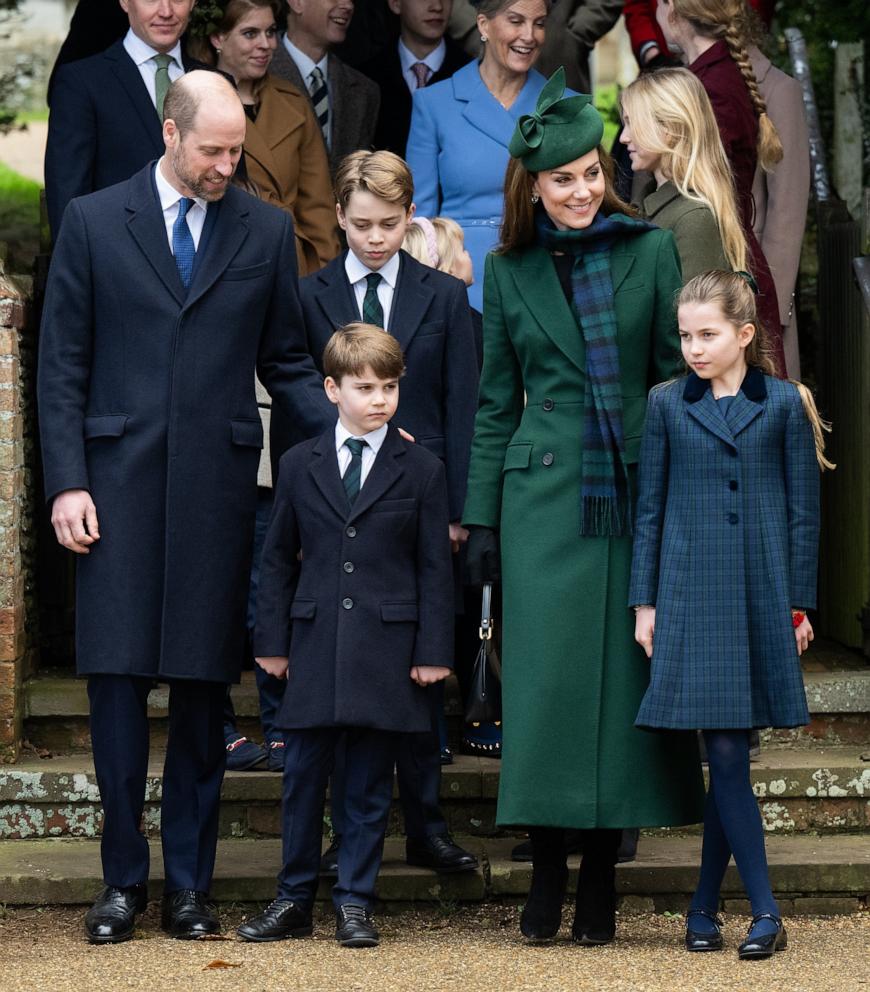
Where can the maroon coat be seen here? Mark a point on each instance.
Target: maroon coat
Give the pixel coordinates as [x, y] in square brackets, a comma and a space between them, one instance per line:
[738, 128]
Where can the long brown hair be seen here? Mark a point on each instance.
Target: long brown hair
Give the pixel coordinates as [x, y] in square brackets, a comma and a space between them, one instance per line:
[731, 294]
[518, 224]
[199, 45]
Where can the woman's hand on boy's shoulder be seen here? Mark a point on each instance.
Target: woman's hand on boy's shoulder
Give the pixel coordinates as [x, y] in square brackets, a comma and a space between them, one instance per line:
[429, 674]
[275, 666]
[644, 627]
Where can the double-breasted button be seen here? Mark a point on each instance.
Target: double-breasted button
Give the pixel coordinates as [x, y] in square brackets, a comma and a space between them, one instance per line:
[351, 532]
[347, 603]
[733, 518]
[547, 458]
[732, 485]
[348, 567]
[548, 404]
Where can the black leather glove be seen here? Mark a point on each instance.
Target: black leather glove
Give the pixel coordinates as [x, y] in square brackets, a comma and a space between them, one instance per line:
[482, 556]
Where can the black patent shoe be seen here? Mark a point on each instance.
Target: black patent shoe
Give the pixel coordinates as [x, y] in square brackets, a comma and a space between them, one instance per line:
[112, 917]
[354, 926]
[187, 916]
[765, 945]
[542, 913]
[278, 921]
[698, 940]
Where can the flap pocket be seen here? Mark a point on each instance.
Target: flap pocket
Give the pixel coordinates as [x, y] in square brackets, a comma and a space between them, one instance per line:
[394, 505]
[398, 612]
[248, 432]
[111, 425]
[247, 271]
[430, 327]
[517, 456]
[303, 609]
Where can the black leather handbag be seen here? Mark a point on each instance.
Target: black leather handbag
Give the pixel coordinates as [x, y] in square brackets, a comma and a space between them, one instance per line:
[484, 699]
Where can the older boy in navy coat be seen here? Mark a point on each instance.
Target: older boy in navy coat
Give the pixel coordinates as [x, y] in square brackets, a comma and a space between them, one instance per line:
[427, 312]
[366, 618]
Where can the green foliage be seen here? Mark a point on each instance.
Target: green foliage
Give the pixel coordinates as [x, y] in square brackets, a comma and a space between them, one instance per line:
[19, 218]
[607, 104]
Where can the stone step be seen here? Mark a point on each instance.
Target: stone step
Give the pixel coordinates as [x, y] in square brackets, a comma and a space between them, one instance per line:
[808, 874]
[825, 790]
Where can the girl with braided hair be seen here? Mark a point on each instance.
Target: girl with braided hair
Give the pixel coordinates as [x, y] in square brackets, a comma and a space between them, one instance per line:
[713, 38]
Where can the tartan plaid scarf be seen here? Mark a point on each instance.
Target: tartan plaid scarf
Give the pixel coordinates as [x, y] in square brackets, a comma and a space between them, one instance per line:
[605, 502]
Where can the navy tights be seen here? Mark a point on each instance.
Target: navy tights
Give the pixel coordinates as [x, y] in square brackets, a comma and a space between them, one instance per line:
[732, 825]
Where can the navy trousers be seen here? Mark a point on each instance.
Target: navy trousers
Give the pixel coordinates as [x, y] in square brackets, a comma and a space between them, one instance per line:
[192, 776]
[309, 756]
[418, 772]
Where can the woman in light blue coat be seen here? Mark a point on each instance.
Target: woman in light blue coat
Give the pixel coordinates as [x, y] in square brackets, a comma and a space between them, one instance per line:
[461, 127]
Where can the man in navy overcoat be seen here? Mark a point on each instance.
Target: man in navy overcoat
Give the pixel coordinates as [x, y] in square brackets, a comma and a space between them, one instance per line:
[165, 293]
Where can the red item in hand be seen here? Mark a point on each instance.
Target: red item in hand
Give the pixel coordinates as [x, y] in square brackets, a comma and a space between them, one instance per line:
[797, 618]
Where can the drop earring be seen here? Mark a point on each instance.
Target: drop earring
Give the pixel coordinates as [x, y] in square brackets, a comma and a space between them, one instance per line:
[534, 198]
[483, 39]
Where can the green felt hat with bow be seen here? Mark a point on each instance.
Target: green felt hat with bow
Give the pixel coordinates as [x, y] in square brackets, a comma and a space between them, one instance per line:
[559, 131]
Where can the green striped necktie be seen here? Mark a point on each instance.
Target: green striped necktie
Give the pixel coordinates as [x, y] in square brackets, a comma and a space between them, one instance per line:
[353, 475]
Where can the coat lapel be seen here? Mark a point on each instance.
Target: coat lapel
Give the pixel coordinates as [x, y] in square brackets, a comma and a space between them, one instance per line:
[145, 224]
[411, 300]
[226, 237]
[744, 408]
[324, 471]
[749, 401]
[383, 474]
[621, 263]
[484, 112]
[131, 82]
[539, 288]
[707, 412]
[334, 295]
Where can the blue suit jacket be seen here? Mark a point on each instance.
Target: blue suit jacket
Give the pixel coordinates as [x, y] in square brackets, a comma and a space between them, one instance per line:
[726, 543]
[458, 153]
[431, 320]
[102, 128]
[372, 595]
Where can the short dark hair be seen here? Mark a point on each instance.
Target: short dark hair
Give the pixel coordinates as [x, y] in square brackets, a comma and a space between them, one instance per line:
[180, 105]
[358, 346]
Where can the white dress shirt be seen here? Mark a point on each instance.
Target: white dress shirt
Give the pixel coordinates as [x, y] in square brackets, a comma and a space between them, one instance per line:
[169, 199]
[434, 60]
[356, 276]
[143, 54]
[373, 440]
[306, 65]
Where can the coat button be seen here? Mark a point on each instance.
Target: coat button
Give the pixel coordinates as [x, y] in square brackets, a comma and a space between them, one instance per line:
[348, 567]
[732, 485]
[547, 458]
[347, 603]
[733, 518]
[351, 532]
[548, 404]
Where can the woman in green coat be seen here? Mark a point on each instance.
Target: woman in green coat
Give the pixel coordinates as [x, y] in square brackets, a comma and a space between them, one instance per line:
[578, 324]
[670, 131]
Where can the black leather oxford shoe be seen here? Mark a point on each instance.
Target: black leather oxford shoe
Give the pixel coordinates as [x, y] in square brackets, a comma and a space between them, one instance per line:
[354, 927]
[765, 945]
[278, 921]
[440, 853]
[111, 918]
[187, 915]
[329, 858]
[703, 940]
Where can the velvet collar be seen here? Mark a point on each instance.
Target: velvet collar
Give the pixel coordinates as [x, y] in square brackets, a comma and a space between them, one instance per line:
[753, 386]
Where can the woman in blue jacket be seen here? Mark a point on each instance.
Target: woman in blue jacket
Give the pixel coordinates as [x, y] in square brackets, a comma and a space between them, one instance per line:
[461, 127]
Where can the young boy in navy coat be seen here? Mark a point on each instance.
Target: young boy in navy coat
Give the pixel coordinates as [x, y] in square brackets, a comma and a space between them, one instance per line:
[427, 312]
[359, 623]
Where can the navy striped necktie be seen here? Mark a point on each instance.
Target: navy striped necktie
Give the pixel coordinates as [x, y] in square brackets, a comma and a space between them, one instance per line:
[320, 99]
[352, 477]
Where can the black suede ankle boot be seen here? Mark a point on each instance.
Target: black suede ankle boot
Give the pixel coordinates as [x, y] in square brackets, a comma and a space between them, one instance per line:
[595, 913]
[542, 913]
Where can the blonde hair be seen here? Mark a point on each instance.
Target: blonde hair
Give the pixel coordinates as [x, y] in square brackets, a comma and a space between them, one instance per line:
[729, 21]
[449, 241]
[731, 293]
[358, 346]
[383, 174]
[670, 115]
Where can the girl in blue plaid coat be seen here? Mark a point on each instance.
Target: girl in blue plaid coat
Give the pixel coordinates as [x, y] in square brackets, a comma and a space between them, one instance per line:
[723, 571]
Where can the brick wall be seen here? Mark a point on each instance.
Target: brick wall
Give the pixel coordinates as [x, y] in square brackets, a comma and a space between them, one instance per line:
[16, 513]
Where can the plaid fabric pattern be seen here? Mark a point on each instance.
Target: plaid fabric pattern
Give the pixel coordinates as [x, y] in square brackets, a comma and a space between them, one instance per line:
[604, 496]
[372, 311]
[353, 473]
[726, 543]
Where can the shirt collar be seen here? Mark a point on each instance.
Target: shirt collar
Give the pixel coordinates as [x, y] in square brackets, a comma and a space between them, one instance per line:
[140, 51]
[435, 58]
[374, 439]
[168, 194]
[304, 63]
[356, 270]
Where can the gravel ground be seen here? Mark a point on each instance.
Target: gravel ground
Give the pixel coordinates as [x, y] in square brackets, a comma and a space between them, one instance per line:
[470, 949]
